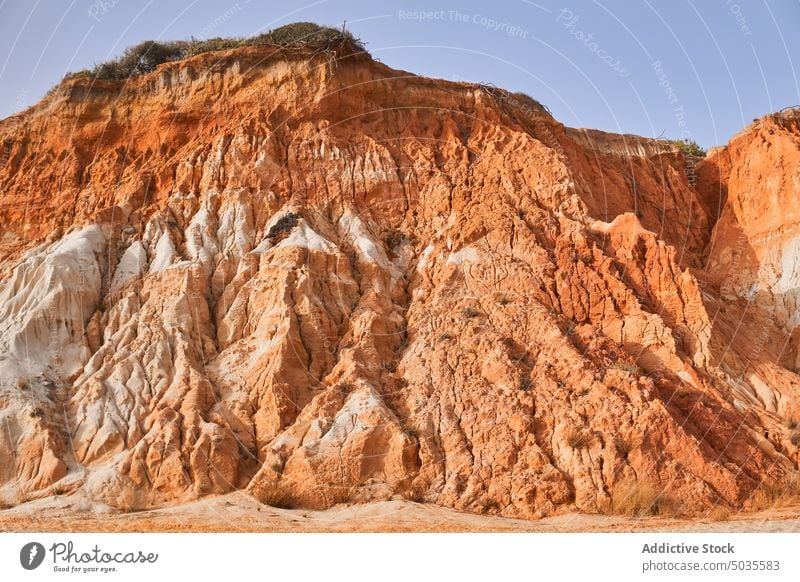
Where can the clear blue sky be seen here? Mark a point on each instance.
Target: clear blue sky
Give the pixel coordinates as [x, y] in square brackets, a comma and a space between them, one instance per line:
[695, 68]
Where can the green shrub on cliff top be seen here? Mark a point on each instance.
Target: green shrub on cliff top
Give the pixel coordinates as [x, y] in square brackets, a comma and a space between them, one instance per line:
[689, 147]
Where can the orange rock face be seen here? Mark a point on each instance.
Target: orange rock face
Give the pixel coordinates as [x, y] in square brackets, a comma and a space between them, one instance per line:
[334, 282]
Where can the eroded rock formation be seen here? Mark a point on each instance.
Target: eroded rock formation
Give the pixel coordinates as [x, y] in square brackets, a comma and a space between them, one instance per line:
[328, 282]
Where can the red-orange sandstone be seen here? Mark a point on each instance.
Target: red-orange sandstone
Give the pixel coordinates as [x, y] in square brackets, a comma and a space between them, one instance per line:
[318, 283]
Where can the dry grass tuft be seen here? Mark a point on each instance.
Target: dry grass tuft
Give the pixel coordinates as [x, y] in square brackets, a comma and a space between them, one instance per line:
[578, 439]
[469, 313]
[768, 496]
[623, 446]
[719, 513]
[626, 367]
[637, 499]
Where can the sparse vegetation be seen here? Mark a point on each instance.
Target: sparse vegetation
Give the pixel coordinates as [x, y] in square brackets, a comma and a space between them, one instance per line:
[623, 447]
[444, 336]
[145, 57]
[525, 383]
[37, 413]
[688, 147]
[577, 439]
[515, 104]
[22, 383]
[626, 367]
[393, 239]
[581, 390]
[403, 344]
[415, 493]
[637, 499]
[770, 495]
[308, 34]
[281, 229]
[719, 513]
[791, 424]
[795, 438]
[469, 313]
[345, 387]
[126, 505]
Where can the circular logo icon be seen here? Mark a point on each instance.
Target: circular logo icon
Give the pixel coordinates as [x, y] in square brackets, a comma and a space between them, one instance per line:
[31, 555]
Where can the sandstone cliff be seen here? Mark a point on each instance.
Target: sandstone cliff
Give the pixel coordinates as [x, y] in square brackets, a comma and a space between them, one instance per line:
[327, 281]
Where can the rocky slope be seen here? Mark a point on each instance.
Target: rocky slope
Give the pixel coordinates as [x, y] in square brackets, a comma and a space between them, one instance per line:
[324, 281]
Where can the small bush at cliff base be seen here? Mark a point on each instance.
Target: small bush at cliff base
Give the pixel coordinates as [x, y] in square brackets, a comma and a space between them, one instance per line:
[770, 495]
[719, 513]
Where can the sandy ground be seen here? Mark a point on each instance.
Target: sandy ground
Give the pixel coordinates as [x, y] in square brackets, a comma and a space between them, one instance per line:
[238, 512]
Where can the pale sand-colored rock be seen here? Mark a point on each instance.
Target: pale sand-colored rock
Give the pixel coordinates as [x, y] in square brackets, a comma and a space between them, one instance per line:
[238, 512]
[253, 272]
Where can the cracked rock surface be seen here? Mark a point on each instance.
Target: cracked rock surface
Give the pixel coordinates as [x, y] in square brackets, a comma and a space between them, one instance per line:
[318, 284]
